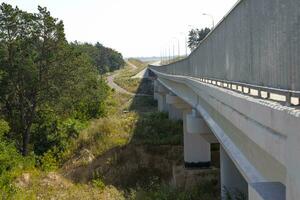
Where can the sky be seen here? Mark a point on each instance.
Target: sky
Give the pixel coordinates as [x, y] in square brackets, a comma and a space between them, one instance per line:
[135, 28]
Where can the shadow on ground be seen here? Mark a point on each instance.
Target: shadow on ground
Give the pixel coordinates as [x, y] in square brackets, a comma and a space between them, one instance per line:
[155, 147]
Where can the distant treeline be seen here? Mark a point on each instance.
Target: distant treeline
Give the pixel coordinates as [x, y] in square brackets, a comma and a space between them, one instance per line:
[104, 58]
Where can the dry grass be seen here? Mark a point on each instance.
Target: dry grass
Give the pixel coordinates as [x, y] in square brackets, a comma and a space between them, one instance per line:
[106, 133]
[124, 80]
[129, 84]
[138, 63]
[53, 186]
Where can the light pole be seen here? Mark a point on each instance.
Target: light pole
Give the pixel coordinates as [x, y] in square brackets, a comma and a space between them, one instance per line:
[185, 42]
[161, 55]
[169, 53]
[212, 18]
[178, 43]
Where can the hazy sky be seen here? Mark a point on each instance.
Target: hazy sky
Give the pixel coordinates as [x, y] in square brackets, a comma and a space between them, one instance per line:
[133, 27]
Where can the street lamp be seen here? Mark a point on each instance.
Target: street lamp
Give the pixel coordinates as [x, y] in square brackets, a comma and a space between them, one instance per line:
[185, 42]
[212, 18]
[178, 42]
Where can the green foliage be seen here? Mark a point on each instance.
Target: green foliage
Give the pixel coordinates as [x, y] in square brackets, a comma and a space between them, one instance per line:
[12, 164]
[34, 61]
[105, 133]
[105, 59]
[53, 135]
[156, 128]
[98, 183]
[49, 90]
[203, 191]
[138, 63]
[48, 87]
[196, 36]
[48, 162]
[4, 127]
[234, 194]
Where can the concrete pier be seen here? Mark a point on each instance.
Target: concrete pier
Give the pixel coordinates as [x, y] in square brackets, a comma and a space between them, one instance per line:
[232, 181]
[196, 149]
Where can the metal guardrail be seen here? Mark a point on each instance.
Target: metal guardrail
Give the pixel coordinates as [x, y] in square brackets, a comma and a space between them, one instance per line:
[291, 98]
[257, 45]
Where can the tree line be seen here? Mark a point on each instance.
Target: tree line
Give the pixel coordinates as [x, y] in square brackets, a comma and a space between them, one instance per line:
[195, 37]
[104, 58]
[49, 88]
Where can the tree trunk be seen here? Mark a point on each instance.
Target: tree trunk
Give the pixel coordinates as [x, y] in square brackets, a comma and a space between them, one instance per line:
[26, 138]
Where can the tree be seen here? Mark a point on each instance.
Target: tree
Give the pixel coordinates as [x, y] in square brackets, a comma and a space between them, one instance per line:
[32, 58]
[105, 59]
[40, 70]
[196, 36]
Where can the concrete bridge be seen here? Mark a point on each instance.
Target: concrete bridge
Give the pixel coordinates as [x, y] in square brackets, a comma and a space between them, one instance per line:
[240, 88]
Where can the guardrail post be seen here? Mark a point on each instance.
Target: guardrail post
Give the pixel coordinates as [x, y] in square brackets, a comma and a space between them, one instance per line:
[288, 99]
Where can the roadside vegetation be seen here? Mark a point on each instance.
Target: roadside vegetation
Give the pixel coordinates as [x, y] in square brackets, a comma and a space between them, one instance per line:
[125, 78]
[138, 63]
[49, 92]
[64, 134]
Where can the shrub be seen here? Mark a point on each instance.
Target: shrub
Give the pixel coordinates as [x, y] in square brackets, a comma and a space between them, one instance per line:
[12, 164]
[203, 191]
[49, 162]
[98, 183]
[4, 127]
[51, 132]
[156, 128]
[234, 194]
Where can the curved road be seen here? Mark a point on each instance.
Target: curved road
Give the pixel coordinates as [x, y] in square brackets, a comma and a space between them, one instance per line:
[112, 84]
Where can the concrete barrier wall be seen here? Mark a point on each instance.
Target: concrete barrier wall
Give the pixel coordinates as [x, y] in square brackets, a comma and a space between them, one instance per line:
[257, 43]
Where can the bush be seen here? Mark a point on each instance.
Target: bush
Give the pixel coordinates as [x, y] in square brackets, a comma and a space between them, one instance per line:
[203, 191]
[50, 132]
[156, 128]
[104, 134]
[98, 183]
[4, 127]
[49, 161]
[12, 163]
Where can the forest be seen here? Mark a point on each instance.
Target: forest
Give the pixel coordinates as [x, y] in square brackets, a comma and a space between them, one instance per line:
[49, 89]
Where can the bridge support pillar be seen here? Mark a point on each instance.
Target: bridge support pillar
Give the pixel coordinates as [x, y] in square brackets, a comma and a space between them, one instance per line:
[196, 149]
[155, 89]
[175, 105]
[174, 113]
[232, 182]
[160, 96]
[197, 125]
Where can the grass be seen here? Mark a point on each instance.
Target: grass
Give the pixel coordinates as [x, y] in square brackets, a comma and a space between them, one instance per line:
[142, 104]
[206, 190]
[128, 154]
[134, 85]
[52, 186]
[156, 129]
[106, 133]
[138, 63]
[124, 80]
[128, 84]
